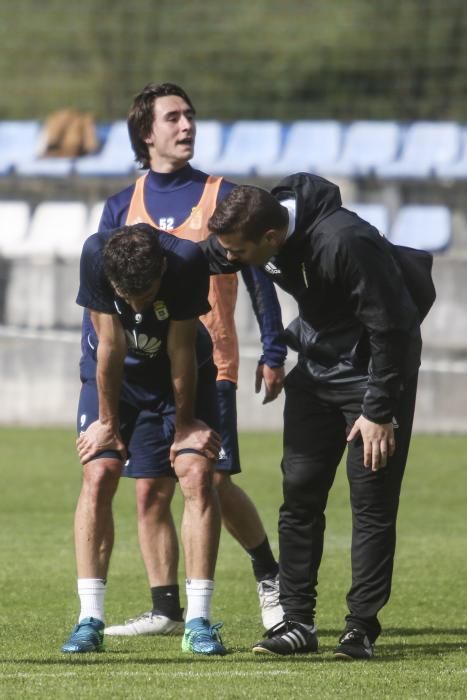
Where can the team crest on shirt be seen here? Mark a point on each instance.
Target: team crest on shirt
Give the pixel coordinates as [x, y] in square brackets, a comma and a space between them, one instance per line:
[160, 311]
[135, 220]
[196, 221]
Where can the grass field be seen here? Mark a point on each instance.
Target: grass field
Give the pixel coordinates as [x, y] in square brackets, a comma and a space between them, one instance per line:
[422, 652]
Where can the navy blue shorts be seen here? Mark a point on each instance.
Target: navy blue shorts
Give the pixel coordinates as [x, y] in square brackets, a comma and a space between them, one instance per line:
[148, 432]
[229, 458]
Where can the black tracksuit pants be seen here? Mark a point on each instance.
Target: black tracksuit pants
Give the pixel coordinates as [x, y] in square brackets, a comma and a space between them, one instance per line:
[317, 419]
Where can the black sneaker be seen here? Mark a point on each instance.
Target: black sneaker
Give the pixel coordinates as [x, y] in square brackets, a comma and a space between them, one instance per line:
[287, 638]
[354, 644]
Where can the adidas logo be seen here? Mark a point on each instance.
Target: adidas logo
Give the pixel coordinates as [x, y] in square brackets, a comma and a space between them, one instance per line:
[272, 269]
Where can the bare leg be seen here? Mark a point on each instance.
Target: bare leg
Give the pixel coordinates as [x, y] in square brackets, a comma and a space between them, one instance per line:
[239, 515]
[201, 517]
[94, 528]
[156, 530]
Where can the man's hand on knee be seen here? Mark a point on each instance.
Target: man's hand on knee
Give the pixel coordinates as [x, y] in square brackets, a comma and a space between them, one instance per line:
[99, 437]
[196, 437]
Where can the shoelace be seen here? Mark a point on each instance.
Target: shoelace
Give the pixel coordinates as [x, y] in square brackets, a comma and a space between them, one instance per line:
[353, 636]
[143, 616]
[83, 628]
[211, 633]
[283, 627]
[269, 594]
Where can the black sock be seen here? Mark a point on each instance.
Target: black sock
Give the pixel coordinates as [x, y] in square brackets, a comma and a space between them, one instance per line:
[263, 562]
[166, 601]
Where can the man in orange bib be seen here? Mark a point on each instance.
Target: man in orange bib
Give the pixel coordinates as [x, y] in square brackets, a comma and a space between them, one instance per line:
[179, 199]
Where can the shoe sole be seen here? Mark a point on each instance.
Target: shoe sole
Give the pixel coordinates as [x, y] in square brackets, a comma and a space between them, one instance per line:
[172, 633]
[82, 651]
[262, 650]
[204, 653]
[347, 657]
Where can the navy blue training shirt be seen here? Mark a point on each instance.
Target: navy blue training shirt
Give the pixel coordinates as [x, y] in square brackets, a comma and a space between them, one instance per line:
[183, 295]
[169, 199]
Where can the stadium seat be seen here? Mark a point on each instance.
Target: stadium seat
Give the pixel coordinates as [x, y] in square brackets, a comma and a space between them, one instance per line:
[310, 146]
[376, 214]
[426, 146]
[367, 144]
[57, 228]
[250, 145]
[19, 142]
[15, 217]
[457, 169]
[46, 167]
[208, 145]
[94, 218]
[424, 226]
[115, 158]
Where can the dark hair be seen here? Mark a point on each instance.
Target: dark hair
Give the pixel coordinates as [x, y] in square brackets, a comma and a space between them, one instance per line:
[141, 116]
[248, 210]
[133, 258]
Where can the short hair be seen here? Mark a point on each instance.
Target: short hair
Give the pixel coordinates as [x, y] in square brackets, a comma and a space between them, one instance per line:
[248, 210]
[141, 116]
[133, 258]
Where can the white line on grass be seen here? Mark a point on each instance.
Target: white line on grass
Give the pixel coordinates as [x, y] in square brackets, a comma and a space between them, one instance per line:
[189, 674]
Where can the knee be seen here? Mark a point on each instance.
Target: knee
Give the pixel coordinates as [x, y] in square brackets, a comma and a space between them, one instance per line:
[302, 490]
[153, 497]
[101, 477]
[195, 477]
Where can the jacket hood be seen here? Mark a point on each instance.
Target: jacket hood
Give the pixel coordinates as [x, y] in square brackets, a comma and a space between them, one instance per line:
[316, 198]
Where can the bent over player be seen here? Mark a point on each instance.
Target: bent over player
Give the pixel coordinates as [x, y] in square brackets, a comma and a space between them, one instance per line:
[148, 400]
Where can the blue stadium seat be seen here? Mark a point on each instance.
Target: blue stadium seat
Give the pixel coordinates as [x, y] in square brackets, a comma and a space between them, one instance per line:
[376, 214]
[46, 167]
[457, 169]
[208, 145]
[423, 226]
[15, 217]
[57, 228]
[426, 146]
[94, 218]
[250, 145]
[367, 144]
[19, 141]
[115, 158]
[310, 146]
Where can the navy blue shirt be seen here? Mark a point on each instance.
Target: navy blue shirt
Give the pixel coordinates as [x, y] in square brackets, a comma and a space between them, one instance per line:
[183, 295]
[169, 199]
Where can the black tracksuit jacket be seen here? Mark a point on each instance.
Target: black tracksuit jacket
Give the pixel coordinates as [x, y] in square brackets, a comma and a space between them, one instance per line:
[357, 320]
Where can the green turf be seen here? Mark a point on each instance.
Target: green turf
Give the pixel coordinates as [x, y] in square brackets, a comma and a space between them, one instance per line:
[422, 653]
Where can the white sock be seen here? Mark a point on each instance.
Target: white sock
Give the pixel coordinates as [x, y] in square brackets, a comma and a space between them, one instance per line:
[199, 595]
[91, 593]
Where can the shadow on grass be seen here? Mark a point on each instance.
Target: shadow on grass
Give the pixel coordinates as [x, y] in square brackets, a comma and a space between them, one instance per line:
[385, 652]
